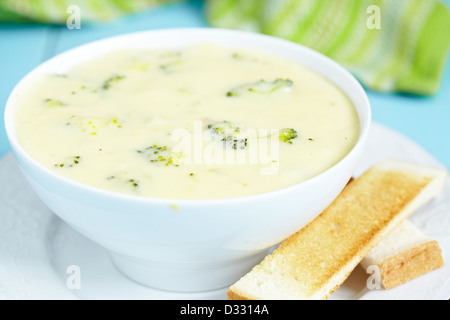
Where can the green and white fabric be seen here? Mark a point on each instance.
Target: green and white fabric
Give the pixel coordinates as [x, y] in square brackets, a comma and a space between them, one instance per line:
[389, 45]
[55, 11]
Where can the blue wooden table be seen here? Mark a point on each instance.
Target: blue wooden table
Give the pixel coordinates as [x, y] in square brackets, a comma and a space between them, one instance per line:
[23, 47]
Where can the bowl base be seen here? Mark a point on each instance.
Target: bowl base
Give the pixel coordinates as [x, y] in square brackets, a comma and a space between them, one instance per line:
[186, 277]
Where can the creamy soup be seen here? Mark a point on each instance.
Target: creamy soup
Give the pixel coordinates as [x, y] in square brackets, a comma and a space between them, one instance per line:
[200, 122]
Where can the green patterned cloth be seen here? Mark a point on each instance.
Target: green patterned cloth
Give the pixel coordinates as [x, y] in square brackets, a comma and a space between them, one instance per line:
[55, 11]
[389, 45]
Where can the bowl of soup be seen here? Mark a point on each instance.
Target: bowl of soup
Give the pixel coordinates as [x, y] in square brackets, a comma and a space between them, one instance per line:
[188, 154]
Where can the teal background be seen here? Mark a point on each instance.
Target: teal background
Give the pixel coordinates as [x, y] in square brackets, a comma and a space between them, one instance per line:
[23, 47]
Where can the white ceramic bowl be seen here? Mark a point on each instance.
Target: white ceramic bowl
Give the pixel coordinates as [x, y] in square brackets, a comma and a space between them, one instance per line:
[203, 244]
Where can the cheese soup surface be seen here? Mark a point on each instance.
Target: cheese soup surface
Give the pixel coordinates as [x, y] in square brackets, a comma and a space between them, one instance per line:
[198, 122]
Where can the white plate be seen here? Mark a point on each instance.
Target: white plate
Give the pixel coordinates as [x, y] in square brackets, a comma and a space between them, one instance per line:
[42, 258]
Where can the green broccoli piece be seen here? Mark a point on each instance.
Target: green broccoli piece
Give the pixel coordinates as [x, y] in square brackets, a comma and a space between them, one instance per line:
[286, 135]
[172, 62]
[229, 133]
[157, 154]
[52, 103]
[261, 87]
[113, 79]
[171, 66]
[132, 184]
[92, 124]
[68, 162]
[176, 158]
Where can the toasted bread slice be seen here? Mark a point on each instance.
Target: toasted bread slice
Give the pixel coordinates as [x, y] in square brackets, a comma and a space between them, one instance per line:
[315, 261]
[404, 254]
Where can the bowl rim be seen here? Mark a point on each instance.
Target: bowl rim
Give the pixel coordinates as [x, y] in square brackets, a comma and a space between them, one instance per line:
[18, 150]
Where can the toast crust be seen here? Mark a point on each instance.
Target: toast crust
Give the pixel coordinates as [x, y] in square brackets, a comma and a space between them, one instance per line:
[411, 264]
[233, 295]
